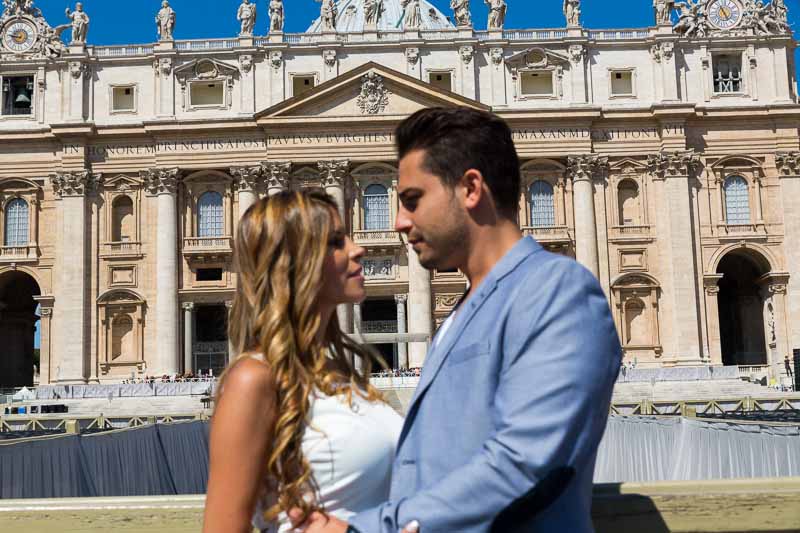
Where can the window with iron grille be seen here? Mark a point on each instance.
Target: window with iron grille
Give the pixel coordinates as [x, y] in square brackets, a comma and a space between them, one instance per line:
[543, 212]
[727, 74]
[737, 201]
[210, 218]
[16, 230]
[376, 208]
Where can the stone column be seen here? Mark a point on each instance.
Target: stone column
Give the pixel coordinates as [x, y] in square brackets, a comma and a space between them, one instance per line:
[711, 285]
[677, 256]
[247, 180]
[165, 85]
[788, 164]
[402, 347]
[232, 351]
[582, 169]
[74, 279]
[333, 174]
[420, 319]
[188, 337]
[45, 337]
[163, 184]
[276, 174]
[357, 329]
[467, 77]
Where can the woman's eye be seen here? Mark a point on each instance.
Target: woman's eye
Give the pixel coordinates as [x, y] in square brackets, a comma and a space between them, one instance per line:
[336, 242]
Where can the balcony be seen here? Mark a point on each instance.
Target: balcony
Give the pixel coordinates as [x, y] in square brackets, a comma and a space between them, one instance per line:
[630, 233]
[19, 254]
[549, 236]
[377, 239]
[121, 250]
[207, 248]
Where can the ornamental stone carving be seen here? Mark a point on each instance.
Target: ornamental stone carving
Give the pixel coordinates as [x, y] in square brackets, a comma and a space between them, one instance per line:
[41, 41]
[576, 53]
[78, 69]
[163, 66]
[373, 11]
[497, 56]
[412, 55]
[788, 163]
[160, 181]
[333, 173]
[330, 58]
[466, 53]
[497, 14]
[246, 178]
[276, 59]
[587, 167]
[79, 22]
[701, 18]
[401, 298]
[673, 164]
[461, 13]
[276, 16]
[374, 97]
[246, 63]
[70, 184]
[328, 13]
[276, 174]
[446, 302]
[662, 51]
[663, 10]
[413, 16]
[165, 22]
[246, 15]
[572, 12]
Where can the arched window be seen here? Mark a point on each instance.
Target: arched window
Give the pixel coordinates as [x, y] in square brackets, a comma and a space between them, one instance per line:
[122, 337]
[16, 228]
[636, 327]
[628, 197]
[543, 209]
[210, 219]
[737, 201]
[376, 208]
[122, 223]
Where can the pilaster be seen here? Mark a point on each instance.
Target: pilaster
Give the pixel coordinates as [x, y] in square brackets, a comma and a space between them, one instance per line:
[788, 164]
[582, 170]
[467, 75]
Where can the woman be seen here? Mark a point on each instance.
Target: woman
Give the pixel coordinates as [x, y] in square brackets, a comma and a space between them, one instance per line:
[296, 426]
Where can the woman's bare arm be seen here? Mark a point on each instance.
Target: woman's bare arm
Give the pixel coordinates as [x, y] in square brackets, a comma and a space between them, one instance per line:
[241, 431]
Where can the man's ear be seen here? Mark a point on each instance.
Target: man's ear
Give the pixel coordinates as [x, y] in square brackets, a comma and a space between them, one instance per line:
[474, 188]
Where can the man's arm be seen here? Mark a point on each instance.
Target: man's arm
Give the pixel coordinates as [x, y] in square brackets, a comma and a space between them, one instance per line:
[561, 354]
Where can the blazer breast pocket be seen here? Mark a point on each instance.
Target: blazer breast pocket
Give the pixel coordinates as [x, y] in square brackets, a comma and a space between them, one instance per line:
[468, 353]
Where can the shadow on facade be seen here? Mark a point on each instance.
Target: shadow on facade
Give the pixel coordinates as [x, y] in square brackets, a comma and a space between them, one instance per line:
[17, 328]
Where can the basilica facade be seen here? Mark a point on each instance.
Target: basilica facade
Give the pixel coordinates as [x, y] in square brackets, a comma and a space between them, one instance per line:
[664, 159]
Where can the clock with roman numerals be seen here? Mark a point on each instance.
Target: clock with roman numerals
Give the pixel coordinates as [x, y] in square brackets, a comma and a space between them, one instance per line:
[725, 14]
[19, 35]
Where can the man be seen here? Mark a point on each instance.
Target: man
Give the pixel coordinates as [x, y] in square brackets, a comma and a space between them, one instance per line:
[503, 430]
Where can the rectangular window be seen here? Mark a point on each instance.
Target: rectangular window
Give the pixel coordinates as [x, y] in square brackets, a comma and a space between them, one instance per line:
[537, 83]
[441, 80]
[209, 274]
[207, 94]
[123, 99]
[302, 84]
[621, 83]
[727, 71]
[17, 95]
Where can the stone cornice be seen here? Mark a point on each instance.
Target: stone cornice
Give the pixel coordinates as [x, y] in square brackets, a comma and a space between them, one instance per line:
[72, 184]
[160, 180]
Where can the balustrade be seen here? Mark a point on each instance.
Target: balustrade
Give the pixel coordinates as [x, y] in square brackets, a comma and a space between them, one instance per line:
[123, 248]
[19, 253]
[377, 237]
[548, 234]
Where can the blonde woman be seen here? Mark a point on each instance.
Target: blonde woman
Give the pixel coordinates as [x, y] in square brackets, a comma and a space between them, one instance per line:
[297, 426]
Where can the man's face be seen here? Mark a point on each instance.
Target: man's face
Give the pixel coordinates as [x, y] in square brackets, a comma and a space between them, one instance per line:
[431, 215]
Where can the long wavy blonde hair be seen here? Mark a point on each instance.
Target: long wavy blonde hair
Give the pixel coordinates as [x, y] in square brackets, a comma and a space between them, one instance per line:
[281, 246]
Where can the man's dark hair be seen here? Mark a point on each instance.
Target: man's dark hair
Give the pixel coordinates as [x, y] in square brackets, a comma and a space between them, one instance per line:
[458, 139]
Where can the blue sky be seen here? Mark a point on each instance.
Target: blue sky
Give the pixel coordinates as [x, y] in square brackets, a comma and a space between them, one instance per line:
[116, 22]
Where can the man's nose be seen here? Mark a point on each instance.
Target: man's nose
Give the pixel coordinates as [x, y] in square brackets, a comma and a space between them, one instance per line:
[402, 222]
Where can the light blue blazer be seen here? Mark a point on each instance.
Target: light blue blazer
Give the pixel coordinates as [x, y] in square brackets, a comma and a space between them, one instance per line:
[510, 407]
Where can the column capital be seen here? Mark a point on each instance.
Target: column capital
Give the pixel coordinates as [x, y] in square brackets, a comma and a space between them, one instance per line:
[401, 298]
[276, 174]
[248, 178]
[788, 163]
[333, 172]
[78, 183]
[673, 164]
[711, 283]
[160, 180]
[188, 306]
[587, 167]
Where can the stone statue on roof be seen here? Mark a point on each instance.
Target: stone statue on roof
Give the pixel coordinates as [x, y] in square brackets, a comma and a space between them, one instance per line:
[572, 12]
[165, 22]
[373, 10]
[412, 17]
[461, 12]
[664, 10]
[80, 23]
[246, 15]
[276, 15]
[328, 13]
[497, 14]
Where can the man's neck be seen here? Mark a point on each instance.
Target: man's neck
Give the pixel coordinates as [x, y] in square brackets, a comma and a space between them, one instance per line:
[487, 247]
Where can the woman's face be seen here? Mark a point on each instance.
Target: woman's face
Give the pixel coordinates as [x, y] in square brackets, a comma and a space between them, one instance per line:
[342, 276]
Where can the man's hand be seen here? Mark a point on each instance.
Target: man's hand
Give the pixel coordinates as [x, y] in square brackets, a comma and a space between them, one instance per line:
[316, 523]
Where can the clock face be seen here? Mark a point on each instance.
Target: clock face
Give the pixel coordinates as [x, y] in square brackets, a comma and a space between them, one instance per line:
[724, 14]
[19, 36]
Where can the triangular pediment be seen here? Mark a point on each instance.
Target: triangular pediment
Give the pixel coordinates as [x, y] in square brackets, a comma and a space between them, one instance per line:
[122, 182]
[537, 57]
[205, 68]
[628, 166]
[369, 92]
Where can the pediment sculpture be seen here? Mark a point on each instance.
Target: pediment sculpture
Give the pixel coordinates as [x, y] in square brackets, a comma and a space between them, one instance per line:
[374, 97]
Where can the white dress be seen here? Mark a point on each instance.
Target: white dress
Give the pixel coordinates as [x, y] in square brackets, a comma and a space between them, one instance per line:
[350, 450]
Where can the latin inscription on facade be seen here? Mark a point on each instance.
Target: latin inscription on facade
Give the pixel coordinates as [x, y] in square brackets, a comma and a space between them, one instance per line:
[101, 152]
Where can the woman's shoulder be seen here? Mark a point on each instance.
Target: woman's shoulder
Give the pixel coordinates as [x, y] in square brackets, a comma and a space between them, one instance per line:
[249, 374]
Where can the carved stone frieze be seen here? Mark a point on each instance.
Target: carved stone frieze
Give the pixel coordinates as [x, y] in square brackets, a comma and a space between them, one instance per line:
[379, 268]
[163, 66]
[497, 56]
[673, 164]
[276, 174]
[330, 58]
[333, 173]
[160, 180]
[246, 63]
[576, 53]
[446, 302]
[374, 97]
[247, 178]
[78, 70]
[587, 167]
[80, 183]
